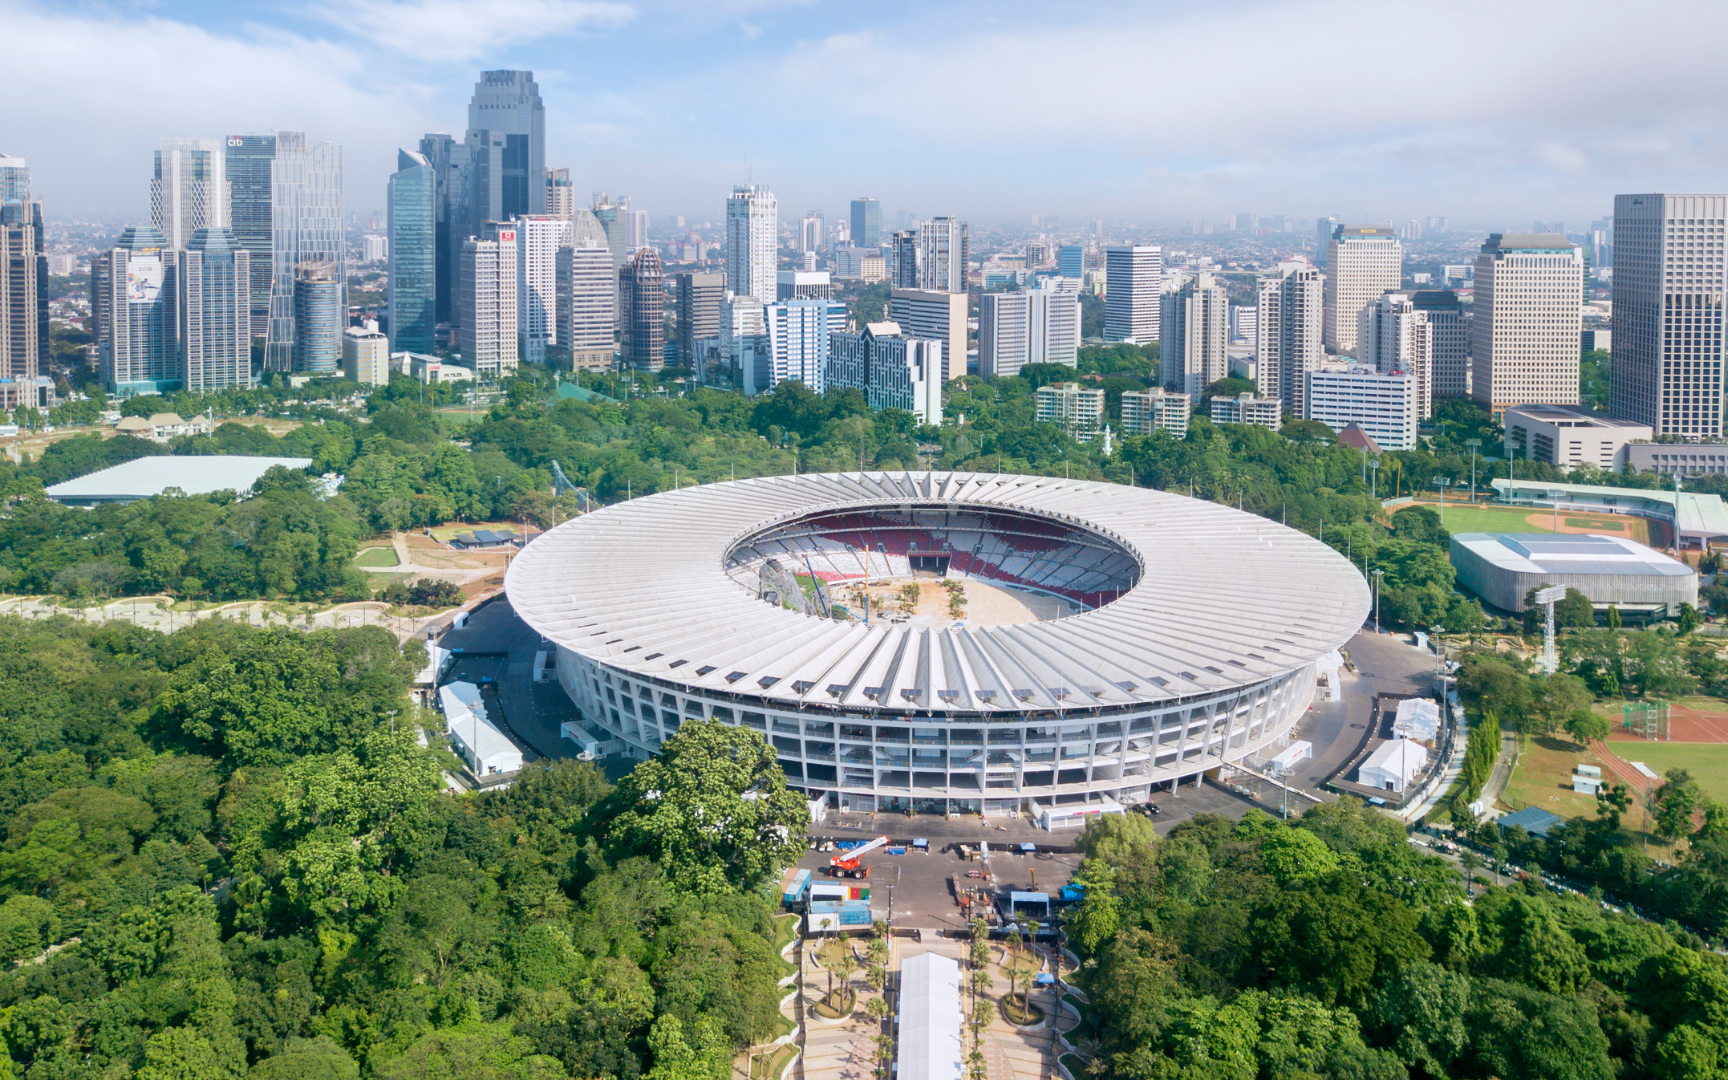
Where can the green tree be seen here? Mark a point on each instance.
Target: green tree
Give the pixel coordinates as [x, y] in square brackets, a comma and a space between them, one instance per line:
[307, 1059]
[1676, 800]
[1587, 727]
[1689, 619]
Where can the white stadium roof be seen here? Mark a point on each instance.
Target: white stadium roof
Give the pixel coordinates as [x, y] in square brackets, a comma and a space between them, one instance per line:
[1224, 599]
[143, 477]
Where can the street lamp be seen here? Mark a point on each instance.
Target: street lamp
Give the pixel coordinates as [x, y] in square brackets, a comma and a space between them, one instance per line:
[1439, 662]
[1473, 444]
[1442, 483]
[1378, 574]
[1373, 476]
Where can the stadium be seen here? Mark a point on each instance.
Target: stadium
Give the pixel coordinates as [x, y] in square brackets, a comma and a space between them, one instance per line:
[943, 642]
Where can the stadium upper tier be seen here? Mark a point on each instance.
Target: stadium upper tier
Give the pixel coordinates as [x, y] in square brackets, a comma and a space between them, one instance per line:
[1185, 598]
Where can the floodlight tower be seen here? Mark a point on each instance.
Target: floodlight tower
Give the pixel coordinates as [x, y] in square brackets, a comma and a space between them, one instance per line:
[1553, 594]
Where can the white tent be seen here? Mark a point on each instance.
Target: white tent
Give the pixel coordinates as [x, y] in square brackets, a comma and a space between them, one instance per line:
[931, 1047]
[1418, 718]
[1393, 765]
[478, 741]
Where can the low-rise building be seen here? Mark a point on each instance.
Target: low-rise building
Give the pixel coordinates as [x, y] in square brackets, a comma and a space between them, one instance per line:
[1568, 436]
[1686, 459]
[1502, 568]
[1393, 765]
[1157, 409]
[366, 355]
[1078, 409]
[142, 478]
[1384, 404]
[1248, 409]
[475, 737]
[1696, 518]
[430, 369]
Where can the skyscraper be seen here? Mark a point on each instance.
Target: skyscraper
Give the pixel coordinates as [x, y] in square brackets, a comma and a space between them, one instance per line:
[1133, 282]
[752, 241]
[903, 260]
[635, 231]
[189, 190]
[318, 317]
[413, 225]
[944, 248]
[1195, 335]
[560, 194]
[14, 180]
[132, 309]
[866, 222]
[642, 311]
[538, 238]
[895, 370]
[249, 161]
[1033, 326]
[213, 311]
[449, 160]
[306, 227]
[506, 142]
[1323, 238]
[940, 316]
[1450, 334]
[486, 301]
[798, 333]
[698, 310]
[587, 304]
[1070, 261]
[612, 218]
[1526, 320]
[1669, 281]
[1362, 262]
[24, 349]
[1287, 325]
[1393, 335]
[812, 230]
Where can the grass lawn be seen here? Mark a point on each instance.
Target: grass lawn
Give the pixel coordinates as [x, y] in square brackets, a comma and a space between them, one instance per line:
[769, 1067]
[1707, 762]
[1544, 778]
[1479, 518]
[376, 556]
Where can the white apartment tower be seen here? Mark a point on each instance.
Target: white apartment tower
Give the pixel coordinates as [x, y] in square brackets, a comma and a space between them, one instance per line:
[1157, 409]
[1382, 404]
[1194, 352]
[538, 238]
[752, 241]
[1669, 282]
[1393, 336]
[486, 297]
[1526, 320]
[1132, 286]
[587, 305]
[1287, 331]
[944, 249]
[1362, 263]
[798, 333]
[931, 313]
[189, 190]
[1033, 326]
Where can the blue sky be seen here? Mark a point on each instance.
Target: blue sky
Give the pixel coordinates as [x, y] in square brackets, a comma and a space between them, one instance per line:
[1494, 112]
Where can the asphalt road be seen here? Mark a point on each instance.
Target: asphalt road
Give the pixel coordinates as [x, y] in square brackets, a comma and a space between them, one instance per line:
[1385, 664]
[533, 710]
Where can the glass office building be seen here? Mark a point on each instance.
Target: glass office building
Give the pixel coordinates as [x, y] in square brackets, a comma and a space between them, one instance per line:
[306, 227]
[317, 313]
[213, 317]
[251, 161]
[413, 254]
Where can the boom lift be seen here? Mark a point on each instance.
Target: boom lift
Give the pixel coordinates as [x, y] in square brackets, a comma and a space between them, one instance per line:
[847, 863]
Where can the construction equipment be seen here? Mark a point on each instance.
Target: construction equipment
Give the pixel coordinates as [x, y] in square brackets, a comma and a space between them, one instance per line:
[847, 864]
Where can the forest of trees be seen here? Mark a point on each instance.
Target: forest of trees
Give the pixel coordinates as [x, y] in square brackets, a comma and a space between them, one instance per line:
[1329, 947]
[226, 853]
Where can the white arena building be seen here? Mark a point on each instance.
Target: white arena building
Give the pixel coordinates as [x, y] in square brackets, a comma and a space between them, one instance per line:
[1112, 639]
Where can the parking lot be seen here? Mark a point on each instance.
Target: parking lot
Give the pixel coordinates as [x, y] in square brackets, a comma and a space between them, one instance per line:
[913, 891]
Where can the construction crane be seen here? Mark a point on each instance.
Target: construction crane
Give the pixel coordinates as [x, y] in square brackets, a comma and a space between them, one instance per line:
[846, 864]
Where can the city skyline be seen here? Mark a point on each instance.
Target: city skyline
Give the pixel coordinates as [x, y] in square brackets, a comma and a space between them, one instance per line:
[1457, 132]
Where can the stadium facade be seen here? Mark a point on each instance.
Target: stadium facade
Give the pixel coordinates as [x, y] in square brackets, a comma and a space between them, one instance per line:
[1190, 638]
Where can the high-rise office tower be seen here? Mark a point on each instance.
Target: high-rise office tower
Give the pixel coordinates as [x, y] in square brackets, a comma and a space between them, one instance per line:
[1323, 238]
[635, 231]
[1362, 262]
[1133, 282]
[14, 180]
[1033, 326]
[24, 348]
[318, 317]
[799, 332]
[213, 312]
[132, 309]
[413, 252]
[944, 249]
[939, 316]
[1194, 339]
[744, 343]
[903, 260]
[1449, 332]
[1287, 325]
[538, 238]
[449, 160]
[588, 303]
[506, 141]
[752, 241]
[866, 222]
[1669, 280]
[306, 227]
[803, 285]
[560, 194]
[586, 231]
[250, 161]
[698, 312]
[1071, 261]
[613, 219]
[189, 190]
[811, 232]
[1395, 336]
[486, 301]
[642, 311]
[1526, 319]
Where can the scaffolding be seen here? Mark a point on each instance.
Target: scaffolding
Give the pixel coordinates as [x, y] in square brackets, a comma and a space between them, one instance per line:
[1648, 719]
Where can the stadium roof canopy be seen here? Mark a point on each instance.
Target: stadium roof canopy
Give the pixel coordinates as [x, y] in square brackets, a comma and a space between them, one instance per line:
[143, 477]
[1223, 599]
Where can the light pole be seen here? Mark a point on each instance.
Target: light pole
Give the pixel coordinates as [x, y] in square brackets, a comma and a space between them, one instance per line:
[1473, 444]
[1378, 574]
[1373, 477]
[1442, 483]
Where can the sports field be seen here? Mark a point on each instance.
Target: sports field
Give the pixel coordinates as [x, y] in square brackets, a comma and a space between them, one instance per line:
[1508, 519]
[1707, 762]
[376, 556]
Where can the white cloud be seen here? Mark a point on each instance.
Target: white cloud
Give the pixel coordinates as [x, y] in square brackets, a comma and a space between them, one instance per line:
[452, 30]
